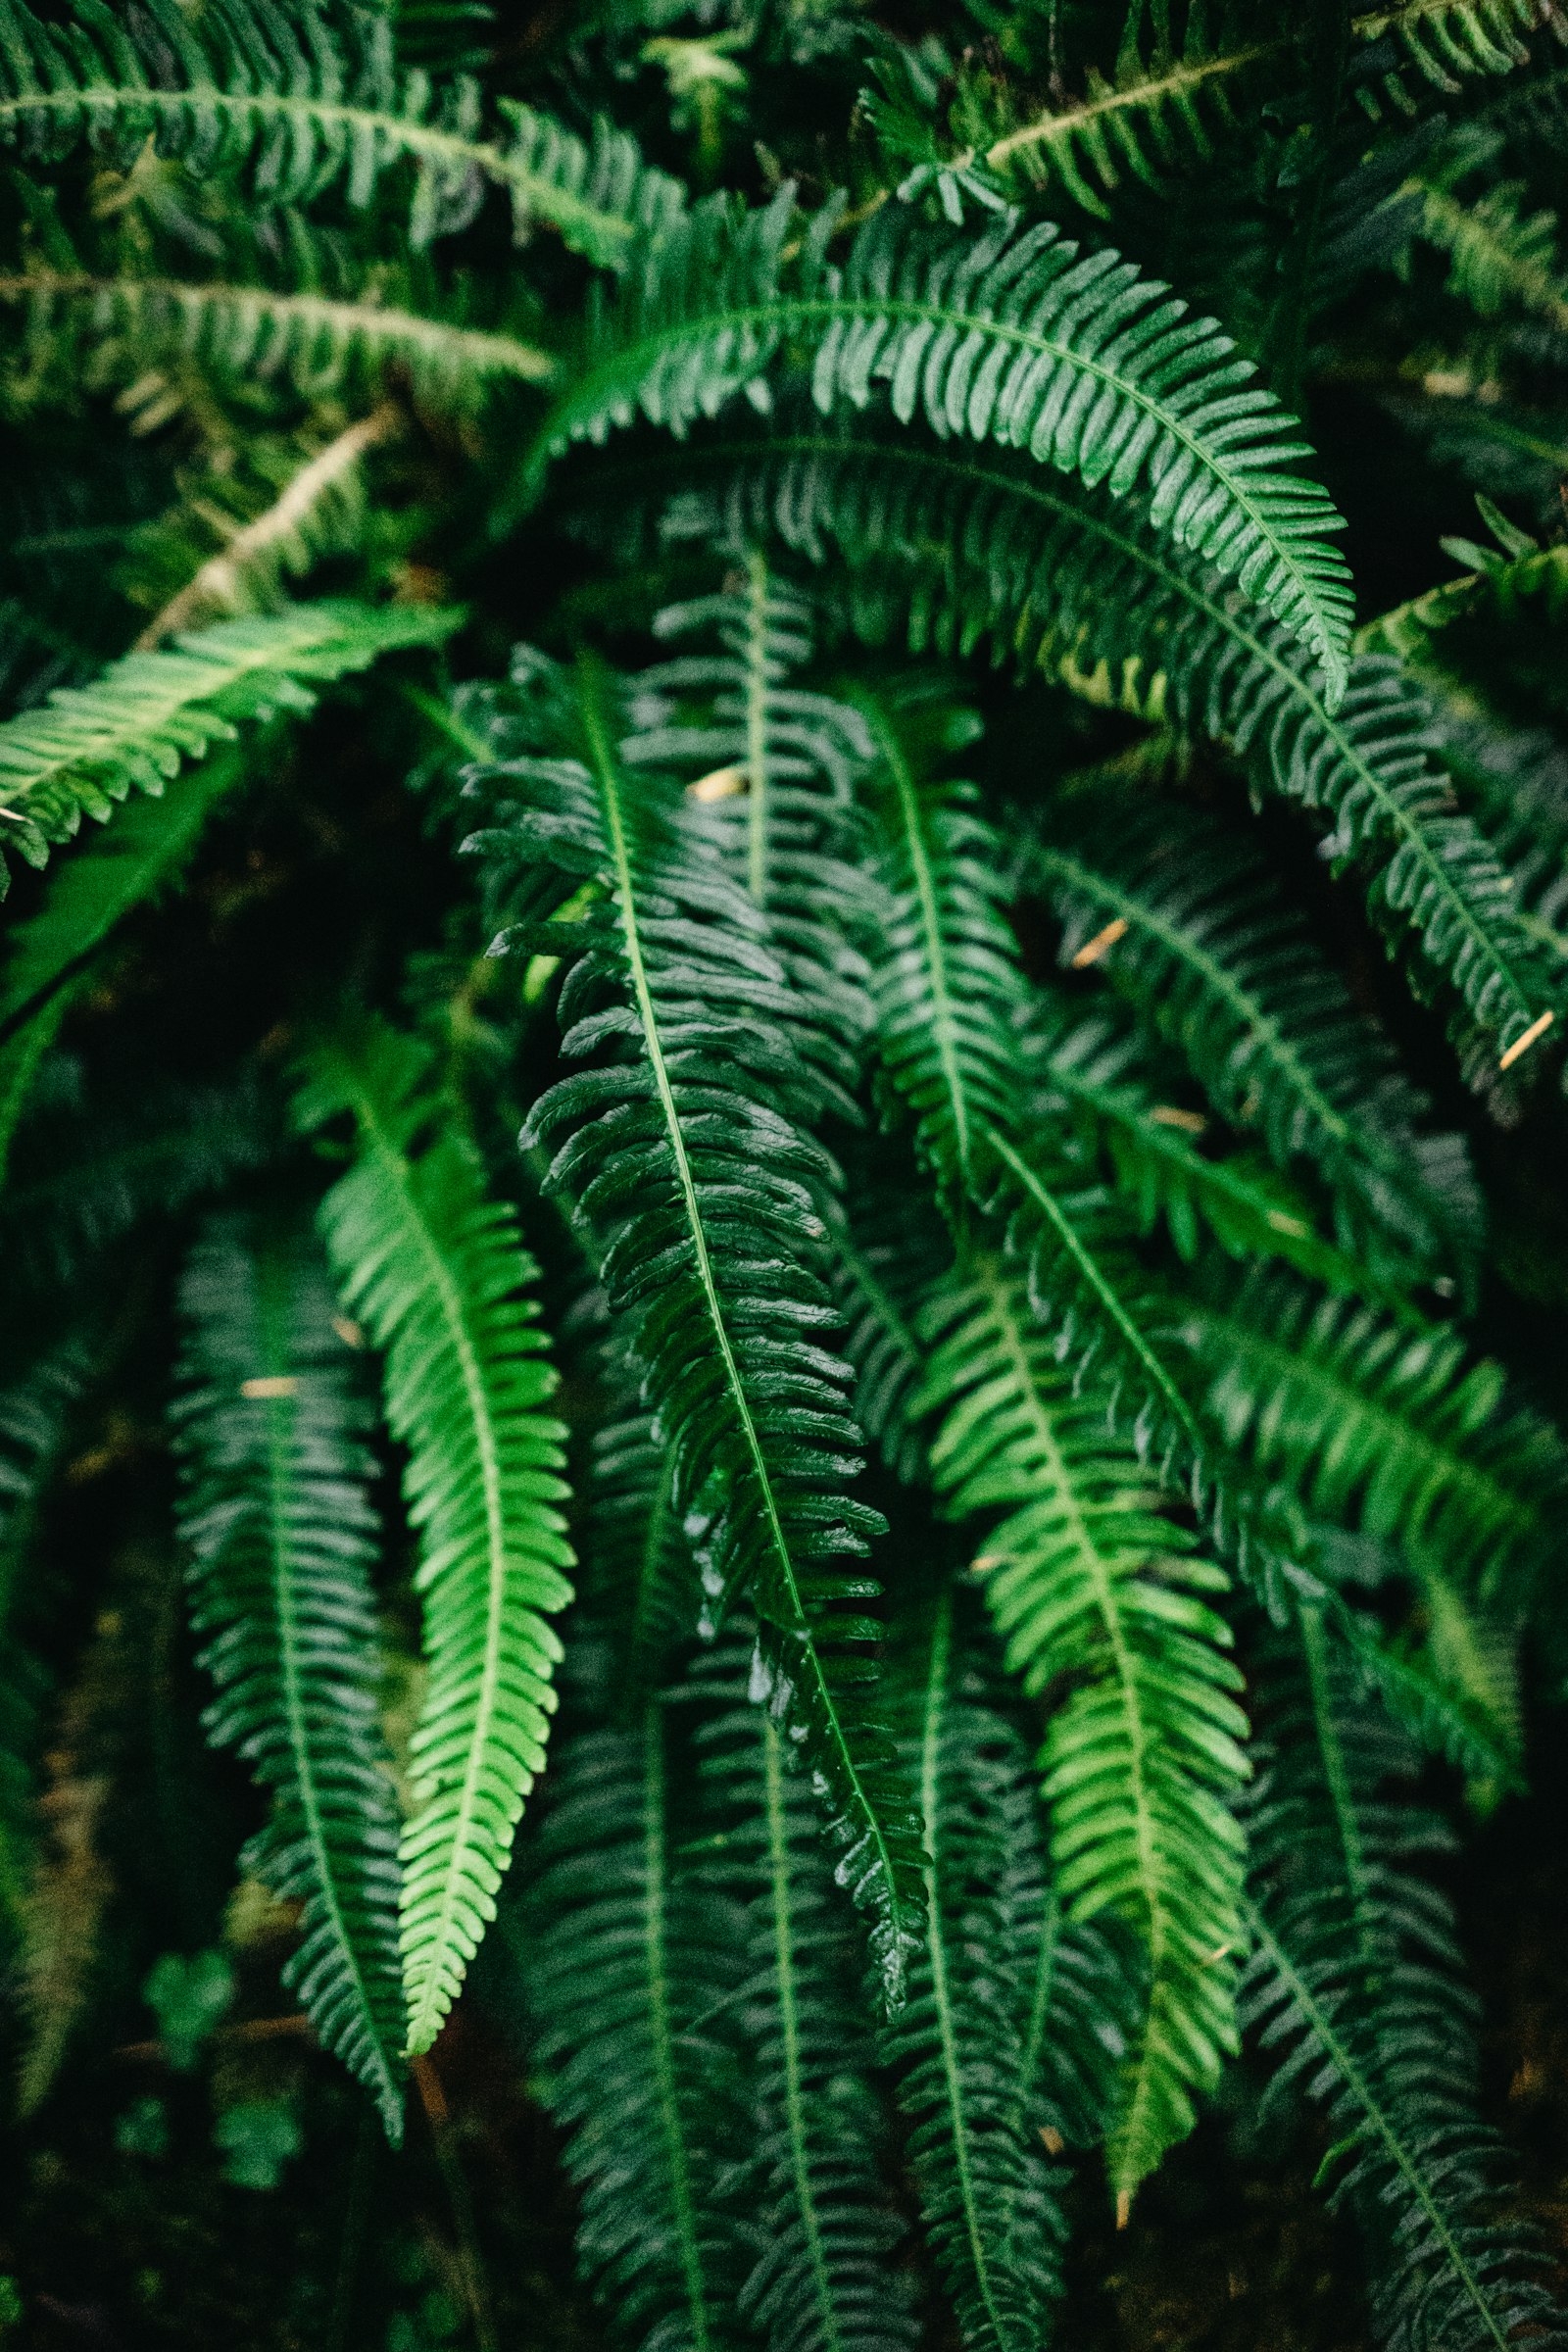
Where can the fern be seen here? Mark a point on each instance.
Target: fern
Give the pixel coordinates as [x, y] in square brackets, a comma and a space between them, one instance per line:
[1016, 340]
[682, 1143]
[435, 1269]
[136, 726]
[282, 1533]
[1087, 1581]
[307, 100]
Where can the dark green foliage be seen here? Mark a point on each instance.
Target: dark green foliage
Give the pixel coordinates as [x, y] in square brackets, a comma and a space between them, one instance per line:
[949, 1100]
[282, 1533]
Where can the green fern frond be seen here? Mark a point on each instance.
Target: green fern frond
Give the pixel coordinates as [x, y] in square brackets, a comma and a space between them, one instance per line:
[1501, 580]
[303, 100]
[1012, 339]
[1089, 1583]
[1184, 921]
[823, 2281]
[953, 551]
[134, 727]
[682, 1150]
[276, 1517]
[629, 1959]
[968, 2046]
[435, 1270]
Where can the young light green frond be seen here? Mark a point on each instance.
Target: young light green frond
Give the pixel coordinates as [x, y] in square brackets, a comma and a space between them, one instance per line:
[680, 1140]
[628, 1960]
[306, 99]
[1089, 1586]
[953, 550]
[823, 2281]
[1502, 578]
[1357, 1980]
[968, 2046]
[435, 1270]
[276, 1517]
[1184, 922]
[134, 727]
[773, 767]
[1012, 339]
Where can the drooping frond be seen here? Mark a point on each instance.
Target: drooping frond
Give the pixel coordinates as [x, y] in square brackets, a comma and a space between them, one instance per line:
[823, 2281]
[435, 1270]
[773, 767]
[629, 1959]
[292, 303]
[276, 1516]
[1356, 1982]
[1186, 923]
[997, 1987]
[306, 99]
[91, 893]
[1012, 339]
[1499, 261]
[134, 727]
[952, 550]
[1091, 1587]
[681, 1149]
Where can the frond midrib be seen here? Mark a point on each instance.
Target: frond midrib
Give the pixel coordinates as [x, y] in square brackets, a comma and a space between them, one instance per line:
[662, 2026]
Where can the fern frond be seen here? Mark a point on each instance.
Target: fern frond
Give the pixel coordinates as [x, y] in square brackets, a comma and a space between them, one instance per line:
[1212, 960]
[627, 1959]
[1012, 339]
[953, 550]
[1499, 261]
[134, 727]
[304, 100]
[435, 1270]
[1089, 1583]
[968, 2046]
[822, 2282]
[682, 1150]
[1501, 580]
[276, 1517]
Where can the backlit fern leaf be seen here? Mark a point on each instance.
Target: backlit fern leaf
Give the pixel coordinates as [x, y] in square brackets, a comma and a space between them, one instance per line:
[1012, 339]
[1087, 1581]
[435, 1270]
[305, 99]
[281, 1532]
[681, 1150]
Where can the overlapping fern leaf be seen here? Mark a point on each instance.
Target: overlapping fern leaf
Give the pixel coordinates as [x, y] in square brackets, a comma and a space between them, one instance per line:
[628, 1955]
[434, 1268]
[997, 1987]
[1356, 1987]
[823, 2221]
[276, 1516]
[310, 98]
[955, 550]
[1087, 1582]
[1013, 339]
[682, 1150]
[133, 728]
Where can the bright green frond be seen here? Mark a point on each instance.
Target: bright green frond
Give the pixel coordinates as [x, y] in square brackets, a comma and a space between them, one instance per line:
[276, 1517]
[435, 1270]
[134, 727]
[1090, 1586]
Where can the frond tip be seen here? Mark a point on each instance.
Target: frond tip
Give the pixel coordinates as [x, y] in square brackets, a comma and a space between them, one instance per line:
[436, 1272]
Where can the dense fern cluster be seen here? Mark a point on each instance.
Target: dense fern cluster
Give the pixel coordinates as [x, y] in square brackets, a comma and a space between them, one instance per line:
[775, 980]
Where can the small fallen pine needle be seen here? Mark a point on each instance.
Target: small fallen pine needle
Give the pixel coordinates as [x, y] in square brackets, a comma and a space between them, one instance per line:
[1054, 2143]
[270, 1383]
[1093, 949]
[719, 785]
[1190, 1122]
[1124, 2207]
[1522, 1045]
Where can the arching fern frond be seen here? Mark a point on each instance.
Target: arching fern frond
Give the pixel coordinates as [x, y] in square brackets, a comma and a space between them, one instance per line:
[131, 729]
[1012, 339]
[681, 1149]
[1088, 1583]
[435, 1270]
[276, 1516]
[308, 99]
[951, 550]
[627, 1958]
